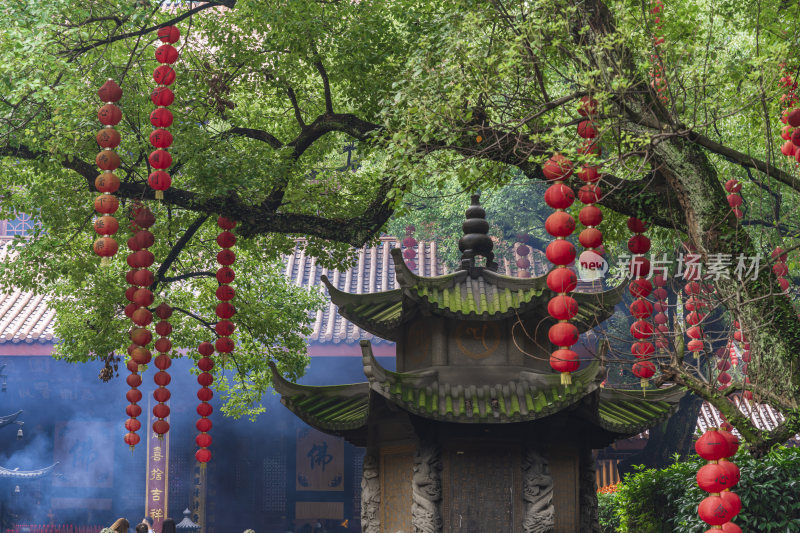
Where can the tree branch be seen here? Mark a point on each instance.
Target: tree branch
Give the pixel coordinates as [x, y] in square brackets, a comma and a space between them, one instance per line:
[202, 274]
[176, 250]
[326, 86]
[252, 133]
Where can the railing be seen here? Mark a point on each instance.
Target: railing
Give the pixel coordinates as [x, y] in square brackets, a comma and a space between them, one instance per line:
[44, 528]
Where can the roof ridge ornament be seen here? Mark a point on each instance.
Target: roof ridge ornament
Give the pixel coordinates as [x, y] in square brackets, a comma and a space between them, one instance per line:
[476, 240]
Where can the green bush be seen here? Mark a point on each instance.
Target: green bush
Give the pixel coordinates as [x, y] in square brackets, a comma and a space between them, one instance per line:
[665, 501]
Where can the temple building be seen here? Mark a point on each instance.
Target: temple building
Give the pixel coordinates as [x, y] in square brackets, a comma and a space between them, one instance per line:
[473, 431]
[280, 473]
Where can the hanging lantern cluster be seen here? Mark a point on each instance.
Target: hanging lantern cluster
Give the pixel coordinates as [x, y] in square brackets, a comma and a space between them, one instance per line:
[641, 308]
[162, 378]
[225, 293]
[659, 82]
[723, 364]
[733, 187]
[717, 478]
[695, 305]
[780, 268]
[107, 183]
[790, 116]
[203, 439]
[590, 215]
[161, 118]
[140, 297]
[522, 251]
[409, 242]
[660, 319]
[561, 280]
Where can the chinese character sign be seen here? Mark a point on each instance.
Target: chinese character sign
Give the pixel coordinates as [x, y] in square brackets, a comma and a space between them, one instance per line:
[157, 467]
[320, 461]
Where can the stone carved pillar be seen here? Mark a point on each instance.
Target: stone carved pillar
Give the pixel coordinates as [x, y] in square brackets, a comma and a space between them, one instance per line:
[537, 493]
[426, 489]
[370, 496]
[590, 522]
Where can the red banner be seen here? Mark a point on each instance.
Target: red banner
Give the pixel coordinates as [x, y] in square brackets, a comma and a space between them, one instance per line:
[157, 474]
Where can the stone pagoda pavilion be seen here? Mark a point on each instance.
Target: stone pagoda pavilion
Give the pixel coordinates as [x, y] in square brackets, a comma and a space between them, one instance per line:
[474, 432]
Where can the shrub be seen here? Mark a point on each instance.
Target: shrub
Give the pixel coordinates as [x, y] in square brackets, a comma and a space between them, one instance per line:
[665, 501]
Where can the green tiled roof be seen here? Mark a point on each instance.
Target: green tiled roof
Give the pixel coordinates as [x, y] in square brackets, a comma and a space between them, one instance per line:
[529, 397]
[631, 412]
[332, 408]
[489, 296]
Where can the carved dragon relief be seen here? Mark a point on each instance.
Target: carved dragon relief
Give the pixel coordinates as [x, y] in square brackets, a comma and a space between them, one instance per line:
[537, 493]
[426, 487]
[588, 493]
[370, 496]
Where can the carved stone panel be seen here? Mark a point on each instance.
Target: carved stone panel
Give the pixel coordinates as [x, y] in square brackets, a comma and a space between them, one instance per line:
[397, 468]
[537, 492]
[370, 496]
[427, 489]
[482, 490]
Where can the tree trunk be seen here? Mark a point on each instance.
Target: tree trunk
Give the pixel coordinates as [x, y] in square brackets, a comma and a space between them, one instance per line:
[672, 437]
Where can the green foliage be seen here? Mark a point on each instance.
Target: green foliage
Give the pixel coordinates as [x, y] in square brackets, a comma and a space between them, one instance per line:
[665, 501]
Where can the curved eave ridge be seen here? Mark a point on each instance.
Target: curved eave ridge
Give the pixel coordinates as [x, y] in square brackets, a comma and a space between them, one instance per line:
[631, 412]
[26, 474]
[513, 401]
[328, 407]
[9, 419]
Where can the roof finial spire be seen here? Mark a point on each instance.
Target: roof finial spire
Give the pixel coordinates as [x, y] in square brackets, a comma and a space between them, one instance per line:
[476, 240]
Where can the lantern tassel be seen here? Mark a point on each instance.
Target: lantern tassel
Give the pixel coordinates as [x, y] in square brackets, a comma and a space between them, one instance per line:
[159, 195]
[132, 448]
[105, 261]
[643, 383]
[566, 378]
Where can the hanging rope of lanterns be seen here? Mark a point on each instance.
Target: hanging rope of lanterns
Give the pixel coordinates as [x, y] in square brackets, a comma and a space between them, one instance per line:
[641, 308]
[203, 439]
[590, 215]
[409, 242]
[107, 183]
[790, 115]
[659, 80]
[717, 478]
[161, 118]
[522, 251]
[140, 297]
[660, 319]
[561, 280]
[733, 188]
[225, 293]
[162, 378]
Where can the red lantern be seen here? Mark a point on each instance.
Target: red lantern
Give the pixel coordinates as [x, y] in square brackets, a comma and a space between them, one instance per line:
[163, 328]
[562, 307]
[713, 478]
[106, 204]
[226, 257]
[133, 395]
[640, 288]
[563, 334]
[164, 75]
[712, 446]
[142, 317]
[166, 53]
[161, 138]
[564, 361]
[557, 168]
[204, 424]
[204, 394]
[205, 363]
[162, 378]
[144, 218]
[169, 34]
[203, 440]
[226, 239]
[163, 361]
[109, 115]
[108, 138]
[636, 226]
[734, 474]
[109, 91]
[163, 345]
[641, 308]
[161, 410]
[162, 96]
[143, 278]
[106, 225]
[225, 293]
[163, 311]
[587, 130]
[224, 345]
[159, 181]
[590, 215]
[105, 247]
[133, 410]
[642, 329]
[160, 159]
[132, 439]
[587, 107]
[141, 336]
[559, 196]
[160, 426]
[225, 275]
[202, 455]
[591, 238]
[642, 349]
[590, 194]
[106, 182]
[161, 394]
[639, 244]
[161, 118]
[560, 252]
[714, 511]
[143, 297]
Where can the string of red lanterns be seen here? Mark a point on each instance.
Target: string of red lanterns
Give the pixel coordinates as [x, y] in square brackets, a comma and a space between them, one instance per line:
[409, 242]
[590, 215]
[161, 118]
[561, 280]
[225, 293]
[162, 378]
[780, 268]
[790, 115]
[203, 439]
[107, 182]
[733, 188]
[717, 478]
[641, 308]
[660, 319]
[659, 82]
[523, 251]
[140, 297]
